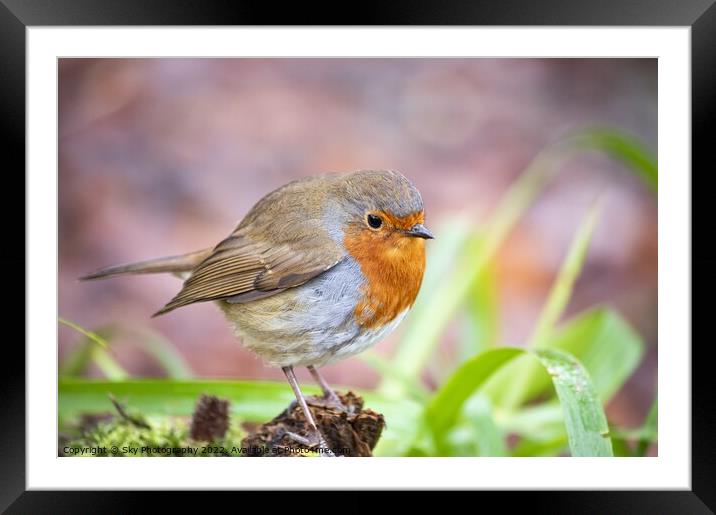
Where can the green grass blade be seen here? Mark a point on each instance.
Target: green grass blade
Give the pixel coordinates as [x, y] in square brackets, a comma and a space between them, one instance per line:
[255, 401]
[163, 352]
[530, 448]
[94, 348]
[644, 436]
[649, 429]
[77, 360]
[584, 418]
[386, 369]
[108, 365]
[605, 344]
[480, 327]
[538, 422]
[171, 361]
[96, 338]
[623, 148]
[446, 406]
[477, 433]
[485, 433]
[403, 419]
[562, 288]
[621, 447]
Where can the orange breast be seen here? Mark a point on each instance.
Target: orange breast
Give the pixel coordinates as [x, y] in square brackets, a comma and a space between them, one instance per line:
[393, 265]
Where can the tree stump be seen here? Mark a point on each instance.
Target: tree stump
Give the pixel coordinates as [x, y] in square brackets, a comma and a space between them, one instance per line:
[349, 430]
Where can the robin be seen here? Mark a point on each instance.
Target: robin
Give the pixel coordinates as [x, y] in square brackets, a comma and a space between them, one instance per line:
[319, 270]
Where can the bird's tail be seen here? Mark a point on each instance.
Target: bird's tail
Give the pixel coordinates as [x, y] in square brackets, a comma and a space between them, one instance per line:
[171, 264]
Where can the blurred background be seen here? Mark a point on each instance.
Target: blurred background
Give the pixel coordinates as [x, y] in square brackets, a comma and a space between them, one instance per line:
[164, 156]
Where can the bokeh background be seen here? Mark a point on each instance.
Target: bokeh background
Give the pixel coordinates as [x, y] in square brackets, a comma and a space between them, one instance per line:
[164, 156]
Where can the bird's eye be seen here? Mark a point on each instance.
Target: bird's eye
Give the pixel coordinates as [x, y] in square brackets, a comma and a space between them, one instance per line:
[374, 221]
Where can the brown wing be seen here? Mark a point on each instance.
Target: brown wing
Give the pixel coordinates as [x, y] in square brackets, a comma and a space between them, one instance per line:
[240, 270]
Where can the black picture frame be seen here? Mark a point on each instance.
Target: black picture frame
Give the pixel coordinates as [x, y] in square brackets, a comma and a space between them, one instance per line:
[17, 15]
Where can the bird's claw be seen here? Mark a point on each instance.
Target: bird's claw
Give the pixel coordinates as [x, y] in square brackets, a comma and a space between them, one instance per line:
[328, 401]
[315, 439]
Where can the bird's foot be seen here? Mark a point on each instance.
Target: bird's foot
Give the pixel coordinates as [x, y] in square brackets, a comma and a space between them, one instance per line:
[315, 439]
[329, 400]
[334, 401]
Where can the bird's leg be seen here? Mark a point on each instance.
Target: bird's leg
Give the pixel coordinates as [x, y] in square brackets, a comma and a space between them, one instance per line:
[328, 392]
[317, 436]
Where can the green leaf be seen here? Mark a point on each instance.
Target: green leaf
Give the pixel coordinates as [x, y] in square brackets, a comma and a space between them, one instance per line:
[77, 360]
[480, 328]
[649, 429]
[403, 418]
[621, 447]
[562, 288]
[96, 338]
[584, 419]
[599, 338]
[254, 401]
[605, 344]
[623, 148]
[644, 436]
[93, 348]
[528, 447]
[484, 432]
[386, 369]
[154, 345]
[443, 411]
[108, 365]
[162, 350]
[538, 422]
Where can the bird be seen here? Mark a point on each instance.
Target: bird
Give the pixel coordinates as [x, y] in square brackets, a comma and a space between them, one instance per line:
[318, 270]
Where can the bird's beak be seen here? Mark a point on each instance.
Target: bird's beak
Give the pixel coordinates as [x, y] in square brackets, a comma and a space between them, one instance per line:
[420, 231]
